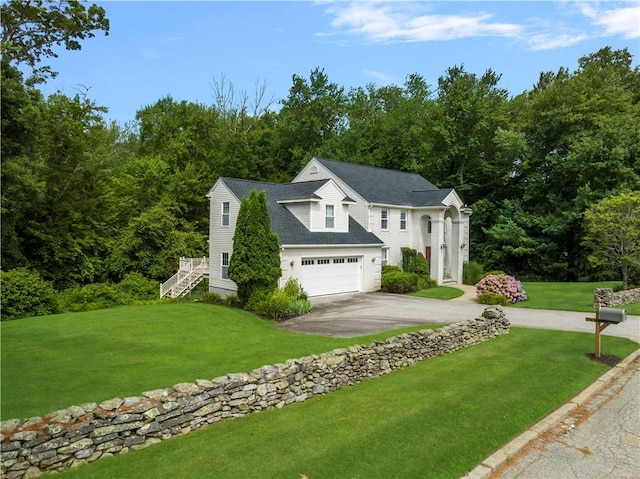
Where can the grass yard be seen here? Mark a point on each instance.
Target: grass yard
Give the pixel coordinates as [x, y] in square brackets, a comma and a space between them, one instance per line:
[53, 362]
[437, 419]
[439, 292]
[566, 296]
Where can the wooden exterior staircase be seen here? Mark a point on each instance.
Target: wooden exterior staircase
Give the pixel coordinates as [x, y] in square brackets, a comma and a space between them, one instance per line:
[191, 272]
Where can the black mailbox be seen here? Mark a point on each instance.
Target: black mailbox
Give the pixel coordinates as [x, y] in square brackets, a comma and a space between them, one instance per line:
[611, 315]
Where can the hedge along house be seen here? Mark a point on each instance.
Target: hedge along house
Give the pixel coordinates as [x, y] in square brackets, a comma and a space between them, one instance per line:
[338, 223]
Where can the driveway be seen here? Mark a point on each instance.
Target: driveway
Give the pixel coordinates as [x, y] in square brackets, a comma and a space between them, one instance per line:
[360, 314]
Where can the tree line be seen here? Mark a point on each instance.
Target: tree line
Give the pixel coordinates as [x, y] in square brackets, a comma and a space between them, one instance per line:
[85, 200]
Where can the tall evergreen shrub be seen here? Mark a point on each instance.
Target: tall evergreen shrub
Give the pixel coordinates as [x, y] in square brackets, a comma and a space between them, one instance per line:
[255, 261]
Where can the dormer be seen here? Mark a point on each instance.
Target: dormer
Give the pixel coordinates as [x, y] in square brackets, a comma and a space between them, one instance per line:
[325, 210]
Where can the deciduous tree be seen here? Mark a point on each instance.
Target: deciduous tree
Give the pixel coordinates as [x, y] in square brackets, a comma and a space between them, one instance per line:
[612, 229]
[32, 29]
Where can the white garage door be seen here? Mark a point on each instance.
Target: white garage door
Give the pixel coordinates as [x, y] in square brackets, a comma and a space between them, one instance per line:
[331, 275]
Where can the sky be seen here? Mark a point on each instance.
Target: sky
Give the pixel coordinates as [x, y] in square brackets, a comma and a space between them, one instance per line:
[182, 49]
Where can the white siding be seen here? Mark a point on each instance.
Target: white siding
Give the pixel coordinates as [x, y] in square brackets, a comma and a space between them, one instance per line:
[393, 237]
[301, 211]
[330, 195]
[221, 237]
[357, 211]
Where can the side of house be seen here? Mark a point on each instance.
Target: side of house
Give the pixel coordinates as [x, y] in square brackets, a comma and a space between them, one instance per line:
[403, 210]
[321, 245]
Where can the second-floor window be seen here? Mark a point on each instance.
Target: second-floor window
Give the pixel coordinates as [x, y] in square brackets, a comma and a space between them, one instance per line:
[225, 213]
[403, 220]
[329, 219]
[384, 220]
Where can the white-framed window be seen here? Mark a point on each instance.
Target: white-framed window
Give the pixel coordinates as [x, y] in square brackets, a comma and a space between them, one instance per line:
[324, 261]
[384, 219]
[225, 213]
[429, 227]
[403, 220]
[224, 265]
[329, 219]
[308, 262]
[384, 257]
[352, 260]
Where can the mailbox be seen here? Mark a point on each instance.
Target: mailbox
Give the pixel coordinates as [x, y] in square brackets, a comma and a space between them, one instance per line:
[612, 315]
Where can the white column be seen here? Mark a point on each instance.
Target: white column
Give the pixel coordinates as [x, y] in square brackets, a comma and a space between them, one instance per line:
[437, 251]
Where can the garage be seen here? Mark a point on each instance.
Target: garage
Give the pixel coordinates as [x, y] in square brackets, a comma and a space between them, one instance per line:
[322, 276]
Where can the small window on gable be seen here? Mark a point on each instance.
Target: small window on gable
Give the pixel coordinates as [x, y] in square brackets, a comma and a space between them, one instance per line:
[225, 213]
[224, 265]
[403, 220]
[384, 219]
[329, 219]
[313, 170]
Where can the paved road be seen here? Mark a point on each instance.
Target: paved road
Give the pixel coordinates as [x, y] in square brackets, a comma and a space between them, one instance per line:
[600, 440]
[366, 313]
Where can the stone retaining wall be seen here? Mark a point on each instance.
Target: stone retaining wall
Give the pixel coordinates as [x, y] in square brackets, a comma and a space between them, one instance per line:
[609, 298]
[81, 434]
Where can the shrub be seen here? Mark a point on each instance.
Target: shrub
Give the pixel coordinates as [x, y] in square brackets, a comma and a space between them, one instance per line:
[472, 272]
[390, 268]
[91, 297]
[136, 287]
[25, 293]
[414, 262]
[426, 282]
[275, 304]
[502, 284]
[490, 298]
[495, 272]
[232, 301]
[399, 282]
[210, 297]
[299, 307]
[294, 289]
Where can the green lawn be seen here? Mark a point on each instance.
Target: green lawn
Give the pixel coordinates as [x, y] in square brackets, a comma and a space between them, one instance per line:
[53, 362]
[566, 296]
[439, 292]
[437, 419]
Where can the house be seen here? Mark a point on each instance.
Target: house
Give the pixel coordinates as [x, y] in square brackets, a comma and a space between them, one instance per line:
[338, 223]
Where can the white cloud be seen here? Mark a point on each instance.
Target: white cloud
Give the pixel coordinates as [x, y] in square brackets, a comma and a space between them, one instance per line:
[623, 20]
[406, 22]
[552, 41]
[380, 77]
[387, 23]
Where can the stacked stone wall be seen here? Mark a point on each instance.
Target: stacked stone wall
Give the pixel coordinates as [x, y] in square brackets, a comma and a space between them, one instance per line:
[611, 298]
[81, 434]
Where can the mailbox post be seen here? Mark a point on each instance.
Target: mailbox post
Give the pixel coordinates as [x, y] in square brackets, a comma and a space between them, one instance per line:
[605, 317]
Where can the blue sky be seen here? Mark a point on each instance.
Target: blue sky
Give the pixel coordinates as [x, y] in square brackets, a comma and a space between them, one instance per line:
[155, 49]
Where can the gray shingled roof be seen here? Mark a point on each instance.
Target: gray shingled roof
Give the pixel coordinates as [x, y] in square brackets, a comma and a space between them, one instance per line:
[388, 187]
[289, 229]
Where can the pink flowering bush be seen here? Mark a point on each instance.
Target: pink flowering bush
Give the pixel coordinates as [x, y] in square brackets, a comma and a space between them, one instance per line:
[502, 285]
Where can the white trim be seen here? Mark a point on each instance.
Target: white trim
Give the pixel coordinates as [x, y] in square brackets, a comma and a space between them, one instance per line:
[386, 219]
[305, 200]
[321, 246]
[222, 214]
[327, 217]
[223, 266]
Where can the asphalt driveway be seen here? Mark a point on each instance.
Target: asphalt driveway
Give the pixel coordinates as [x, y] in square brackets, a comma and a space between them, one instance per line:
[360, 314]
